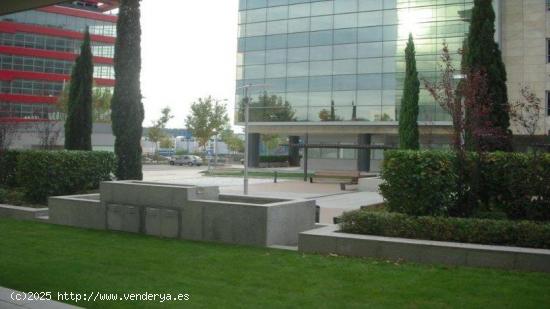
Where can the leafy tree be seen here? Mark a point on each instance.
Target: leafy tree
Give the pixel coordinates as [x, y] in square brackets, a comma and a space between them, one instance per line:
[157, 132]
[233, 142]
[207, 116]
[78, 126]
[324, 115]
[483, 56]
[126, 107]
[408, 115]
[101, 103]
[268, 108]
[270, 141]
[166, 142]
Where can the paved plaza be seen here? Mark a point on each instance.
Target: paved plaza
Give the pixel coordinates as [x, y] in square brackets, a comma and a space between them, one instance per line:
[332, 201]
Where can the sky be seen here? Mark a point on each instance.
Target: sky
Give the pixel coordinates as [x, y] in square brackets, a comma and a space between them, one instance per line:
[188, 51]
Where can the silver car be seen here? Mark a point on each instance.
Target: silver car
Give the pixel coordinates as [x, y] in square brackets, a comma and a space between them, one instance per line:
[186, 160]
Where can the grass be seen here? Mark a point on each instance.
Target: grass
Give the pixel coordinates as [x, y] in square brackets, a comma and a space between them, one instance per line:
[42, 257]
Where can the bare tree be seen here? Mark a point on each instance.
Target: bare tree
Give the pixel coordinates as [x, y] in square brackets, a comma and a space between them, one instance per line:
[446, 92]
[48, 132]
[8, 132]
[526, 111]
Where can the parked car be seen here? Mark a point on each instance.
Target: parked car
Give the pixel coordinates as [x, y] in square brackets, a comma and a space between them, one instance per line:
[186, 160]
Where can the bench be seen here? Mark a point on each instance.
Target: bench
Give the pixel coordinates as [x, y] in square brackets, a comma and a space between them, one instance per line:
[342, 177]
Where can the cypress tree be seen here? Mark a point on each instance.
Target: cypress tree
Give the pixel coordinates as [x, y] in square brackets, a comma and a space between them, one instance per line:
[78, 126]
[483, 55]
[127, 108]
[408, 114]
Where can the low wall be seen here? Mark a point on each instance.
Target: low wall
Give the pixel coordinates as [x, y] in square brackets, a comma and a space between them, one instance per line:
[327, 240]
[245, 223]
[186, 212]
[21, 213]
[84, 211]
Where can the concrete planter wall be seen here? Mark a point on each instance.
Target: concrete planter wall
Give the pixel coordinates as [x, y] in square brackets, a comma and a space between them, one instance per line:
[186, 212]
[328, 240]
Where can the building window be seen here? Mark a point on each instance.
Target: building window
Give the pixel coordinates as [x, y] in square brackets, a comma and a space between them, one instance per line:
[548, 102]
[548, 49]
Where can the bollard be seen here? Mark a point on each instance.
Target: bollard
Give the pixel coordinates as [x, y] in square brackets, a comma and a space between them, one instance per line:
[275, 174]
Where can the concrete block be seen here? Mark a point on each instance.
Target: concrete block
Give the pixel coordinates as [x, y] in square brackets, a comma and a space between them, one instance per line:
[84, 211]
[152, 221]
[123, 218]
[286, 220]
[191, 221]
[169, 223]
[234, 223]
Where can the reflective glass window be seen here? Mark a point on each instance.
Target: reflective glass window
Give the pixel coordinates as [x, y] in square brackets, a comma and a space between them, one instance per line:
[298, 39]
[320, 83]
[371, 5]
[346, 51]
[278, 12]
[321, 38]
[276, 41]
[276, 56]
[320, 68]
[298, 54]
[343, 36]
[297, 69]
[297, 84]
[344, 82]
[322, 8]
[322, 23]
[321, 53]
[298, 25]
[299, 10]
[345, 6]
[345, 21]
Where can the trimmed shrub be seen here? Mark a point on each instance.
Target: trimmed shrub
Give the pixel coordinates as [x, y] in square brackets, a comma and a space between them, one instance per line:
[8, 167]
[49, 173]
[273, 159]
[478, 231]
[419, 182]
[3, 195]
[423, 183]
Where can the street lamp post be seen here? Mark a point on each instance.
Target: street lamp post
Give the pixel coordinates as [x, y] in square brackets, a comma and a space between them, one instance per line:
[246, 120]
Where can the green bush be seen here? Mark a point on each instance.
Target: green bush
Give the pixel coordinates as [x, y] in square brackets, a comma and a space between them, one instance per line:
[8, 167]
[425, 183]
[273, 159]
[49, 173]
[479, 231]
[3, 195]
[419, 182]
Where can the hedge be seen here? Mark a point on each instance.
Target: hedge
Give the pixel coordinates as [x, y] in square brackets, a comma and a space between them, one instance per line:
[273, 159]
[49, 173]
[478, 231]
[8, 164]
[427, 183]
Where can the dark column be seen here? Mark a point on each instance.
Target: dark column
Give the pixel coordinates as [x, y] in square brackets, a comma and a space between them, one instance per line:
[363, 155]
[253, 149]
[293, 152]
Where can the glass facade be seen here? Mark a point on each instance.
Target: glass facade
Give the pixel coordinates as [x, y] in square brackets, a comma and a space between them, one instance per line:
[41, 65]
[341, 60]
[37, 41]
[31, 96]
[60, 21]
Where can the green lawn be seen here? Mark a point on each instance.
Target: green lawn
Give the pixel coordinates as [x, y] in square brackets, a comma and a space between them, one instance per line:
[42, 257]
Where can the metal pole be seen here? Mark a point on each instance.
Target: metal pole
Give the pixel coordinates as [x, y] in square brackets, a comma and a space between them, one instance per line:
[215, 150]
[246, 115]
[306, 156]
